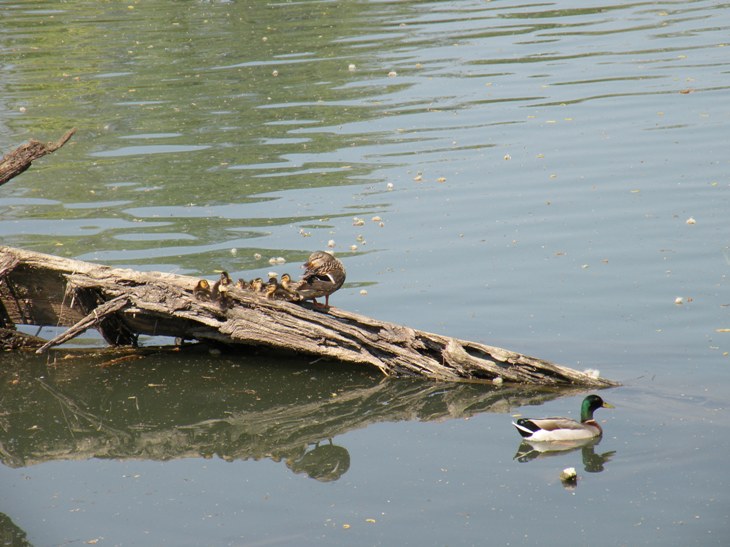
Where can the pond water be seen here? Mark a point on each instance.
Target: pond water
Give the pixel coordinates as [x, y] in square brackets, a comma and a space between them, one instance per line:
[549, 177]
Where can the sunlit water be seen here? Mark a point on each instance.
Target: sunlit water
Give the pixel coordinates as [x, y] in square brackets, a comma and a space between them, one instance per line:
[534, 167]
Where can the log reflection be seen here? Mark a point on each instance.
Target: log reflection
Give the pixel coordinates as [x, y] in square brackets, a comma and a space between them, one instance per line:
[169, 406]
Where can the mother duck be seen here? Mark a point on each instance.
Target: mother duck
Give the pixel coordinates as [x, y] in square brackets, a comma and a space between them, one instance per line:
[323, 275]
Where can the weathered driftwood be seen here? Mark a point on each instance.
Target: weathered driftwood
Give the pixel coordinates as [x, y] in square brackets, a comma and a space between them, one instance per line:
[43, 289]
[14, 163]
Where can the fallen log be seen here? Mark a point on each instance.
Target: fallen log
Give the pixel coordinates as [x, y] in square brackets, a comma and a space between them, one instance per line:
[123, 304]
[16, 162]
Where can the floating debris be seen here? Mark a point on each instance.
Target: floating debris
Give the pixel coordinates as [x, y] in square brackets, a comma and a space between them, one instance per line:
[257, 256]
[351, 67]
[392, 74]
[569, 476]
[441, 179]
[358, 222]
[376, 219]
[679, 300]
[363, 292]
[691, 220]
[507, 157]
[389, 186]
[331, 244]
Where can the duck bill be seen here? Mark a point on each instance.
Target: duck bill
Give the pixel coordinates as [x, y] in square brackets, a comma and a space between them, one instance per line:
[607, 405]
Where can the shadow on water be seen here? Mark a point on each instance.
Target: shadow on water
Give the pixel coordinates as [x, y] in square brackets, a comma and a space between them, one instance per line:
[166, 407]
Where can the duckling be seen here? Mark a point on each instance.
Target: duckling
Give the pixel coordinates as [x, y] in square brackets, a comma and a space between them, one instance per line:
[221, 288]
[564, 429]
[271, 287]
[256, 285]
[323, 275]
[286, 289]
[241, 284]
[202, 290]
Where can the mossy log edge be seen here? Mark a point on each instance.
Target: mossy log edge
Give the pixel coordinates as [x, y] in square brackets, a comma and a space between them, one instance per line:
[42, 289]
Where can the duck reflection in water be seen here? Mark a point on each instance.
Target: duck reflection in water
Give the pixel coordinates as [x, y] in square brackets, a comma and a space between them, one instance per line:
[592, 462]
[325, 463]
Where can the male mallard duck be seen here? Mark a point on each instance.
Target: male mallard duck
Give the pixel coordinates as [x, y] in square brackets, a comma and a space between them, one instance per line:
[323, 275]
[564, 429]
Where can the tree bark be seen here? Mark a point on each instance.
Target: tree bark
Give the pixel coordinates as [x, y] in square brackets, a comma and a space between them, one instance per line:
[16, 162]
[122, 304]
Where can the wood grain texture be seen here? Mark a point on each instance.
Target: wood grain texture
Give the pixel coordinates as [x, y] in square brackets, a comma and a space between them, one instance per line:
[122, 304]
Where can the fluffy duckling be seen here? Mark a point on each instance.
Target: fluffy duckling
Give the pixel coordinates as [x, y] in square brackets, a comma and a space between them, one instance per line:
[564, 429]
[271, 288]
[256, 285]
[286, 289]
[323, 275]
[221, 288]
[241, 284]
[202, 290]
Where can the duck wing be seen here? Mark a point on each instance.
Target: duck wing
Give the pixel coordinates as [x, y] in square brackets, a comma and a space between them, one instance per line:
[553, 424]
[314, 286]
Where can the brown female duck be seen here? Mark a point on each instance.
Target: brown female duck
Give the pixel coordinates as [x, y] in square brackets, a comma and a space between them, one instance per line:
[323, 275]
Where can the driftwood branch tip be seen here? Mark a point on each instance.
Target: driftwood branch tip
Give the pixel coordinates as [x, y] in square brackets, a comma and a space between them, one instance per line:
[16, 162]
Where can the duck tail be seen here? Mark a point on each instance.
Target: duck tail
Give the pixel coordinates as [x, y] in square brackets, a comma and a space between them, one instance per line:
[525, 427]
